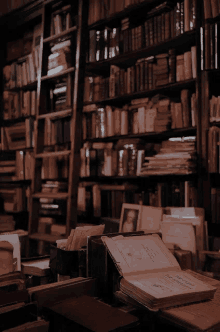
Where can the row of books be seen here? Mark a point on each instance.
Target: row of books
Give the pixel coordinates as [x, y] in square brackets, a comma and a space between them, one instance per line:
[214, 103]
[110, 42]
[55, 167]
[19, 136]
[106, 200]
[141, 116]
[23, 72]
[211, 8]
[61, 20]
[210, 46]
[14, 199]
[56, 97]
[18, 168]
[102, 159]
[147, 74]
[184, 10]
[57, 131]
[19, 104]
[176, 156]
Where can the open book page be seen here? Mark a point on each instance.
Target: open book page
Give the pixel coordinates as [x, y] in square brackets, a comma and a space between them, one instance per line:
[182, 235]
[41, 263]
[165, 284]
[137, 254]
[150, 219]
[202, 316]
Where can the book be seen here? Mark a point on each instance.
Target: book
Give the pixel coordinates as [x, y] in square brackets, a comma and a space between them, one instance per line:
[151, 274]
[197, 316]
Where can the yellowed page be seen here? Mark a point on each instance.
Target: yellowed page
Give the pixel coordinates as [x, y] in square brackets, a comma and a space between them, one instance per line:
[183, 235]
[137, 254]
[166, 284]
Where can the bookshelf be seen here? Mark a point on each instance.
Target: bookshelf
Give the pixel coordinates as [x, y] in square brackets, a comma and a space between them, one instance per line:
[54, 184]
[209, 31]
[142, 76]
[19, 57]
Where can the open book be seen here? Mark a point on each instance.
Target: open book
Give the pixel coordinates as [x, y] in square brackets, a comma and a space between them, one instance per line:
[152, 275]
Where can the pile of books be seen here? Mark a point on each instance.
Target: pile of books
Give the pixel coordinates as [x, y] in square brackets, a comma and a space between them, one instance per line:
[176, 156]
[54, 187]
[60, 57]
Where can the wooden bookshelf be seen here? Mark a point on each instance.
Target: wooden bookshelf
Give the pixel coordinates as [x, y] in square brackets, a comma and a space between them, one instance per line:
[110, 63]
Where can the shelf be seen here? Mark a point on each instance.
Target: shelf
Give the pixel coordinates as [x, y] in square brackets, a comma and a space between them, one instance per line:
[172, 87]
[15, 182]
[28, 86]
[130, 58]
[62, 73]
[53, 154]
[17, 120]
[45, 237]
[154, 135]
[59, 195]
[54, 115]
[60, 35]
[155, 177]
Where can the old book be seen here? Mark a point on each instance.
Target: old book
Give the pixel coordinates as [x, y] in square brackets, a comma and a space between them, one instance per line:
[38, 267]
[188, 65]
[214, 7]
[187, 15]
[200, 316]
[186, 108]
[207, 50]
[154, 281]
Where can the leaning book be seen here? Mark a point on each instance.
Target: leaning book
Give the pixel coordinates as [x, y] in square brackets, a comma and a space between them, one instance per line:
[151, 275]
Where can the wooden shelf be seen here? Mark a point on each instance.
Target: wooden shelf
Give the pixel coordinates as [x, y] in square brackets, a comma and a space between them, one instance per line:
[10, 122]
[168, 88]
[53, 154]
[45, 237]
[28, 86]
[154, 177]
[60, 35]
[59, 195]
[54, 115]
[150, 135]
[62, 73]
[130, 58]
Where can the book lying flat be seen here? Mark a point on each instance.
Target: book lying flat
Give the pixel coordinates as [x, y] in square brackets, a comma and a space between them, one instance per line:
[152, 275]
[36, 267]
[198, 317]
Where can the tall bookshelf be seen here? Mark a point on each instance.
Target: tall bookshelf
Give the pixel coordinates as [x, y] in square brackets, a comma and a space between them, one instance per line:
[56, 152]
[19, 58]
[42, 75]
[141, 92]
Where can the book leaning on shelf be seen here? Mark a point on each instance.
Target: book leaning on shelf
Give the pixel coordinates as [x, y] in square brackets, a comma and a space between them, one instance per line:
[151, 275]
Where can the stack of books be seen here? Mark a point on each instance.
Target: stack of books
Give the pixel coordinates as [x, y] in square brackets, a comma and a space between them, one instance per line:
[176, 156]
[60, 57]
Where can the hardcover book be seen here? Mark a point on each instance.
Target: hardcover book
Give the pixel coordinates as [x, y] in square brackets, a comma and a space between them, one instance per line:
[151, 275]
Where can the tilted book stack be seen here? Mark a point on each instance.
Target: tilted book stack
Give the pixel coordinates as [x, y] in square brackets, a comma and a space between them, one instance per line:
[151, 275]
